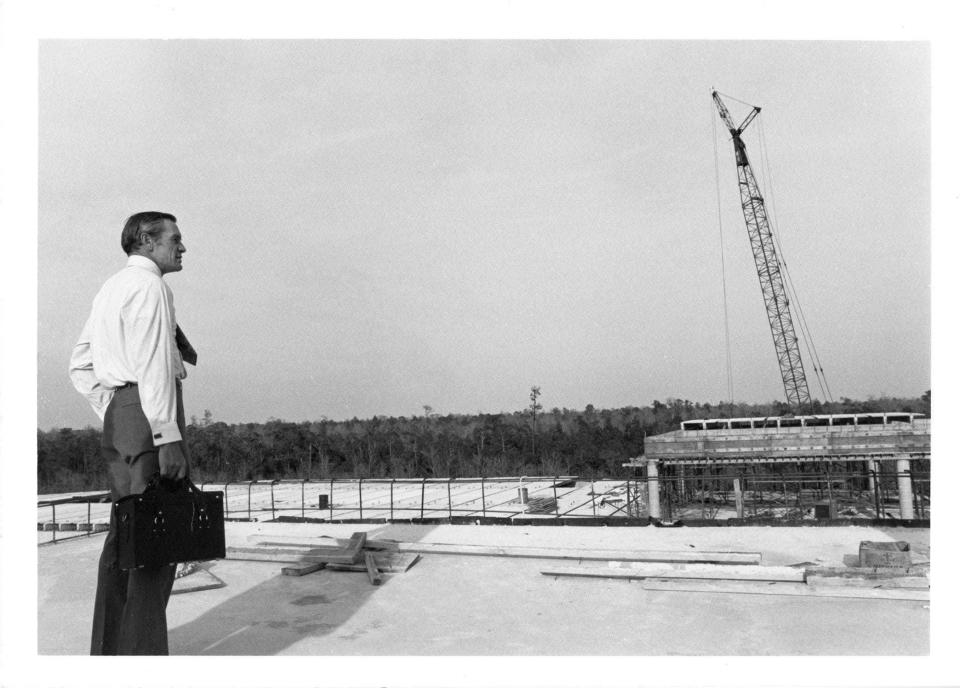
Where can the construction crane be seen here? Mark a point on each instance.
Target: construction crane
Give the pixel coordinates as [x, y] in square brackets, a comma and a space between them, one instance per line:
[768, 267]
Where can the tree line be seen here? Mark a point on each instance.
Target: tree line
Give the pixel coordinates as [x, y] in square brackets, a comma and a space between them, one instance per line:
[592, 443]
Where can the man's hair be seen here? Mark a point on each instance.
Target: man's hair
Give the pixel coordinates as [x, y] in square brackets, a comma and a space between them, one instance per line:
[149, 222]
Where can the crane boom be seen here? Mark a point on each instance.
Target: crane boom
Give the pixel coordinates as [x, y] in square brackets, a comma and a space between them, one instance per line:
[768, 267]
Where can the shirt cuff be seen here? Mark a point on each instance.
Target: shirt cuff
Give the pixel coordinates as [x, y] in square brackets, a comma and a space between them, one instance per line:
[165, 433]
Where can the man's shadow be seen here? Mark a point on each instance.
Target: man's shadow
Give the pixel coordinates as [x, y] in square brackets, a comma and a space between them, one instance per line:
[278, 612]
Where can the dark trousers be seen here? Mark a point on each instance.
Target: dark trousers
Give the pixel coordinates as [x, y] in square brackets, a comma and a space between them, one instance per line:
[130, 611]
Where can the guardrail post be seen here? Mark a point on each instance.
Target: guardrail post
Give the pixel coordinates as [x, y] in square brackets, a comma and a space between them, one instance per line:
[331, 499]
[483, 498]
[423, 492]
[249, 488]
[226, 502]
[556, 502]
[394, 480]
[360, 497]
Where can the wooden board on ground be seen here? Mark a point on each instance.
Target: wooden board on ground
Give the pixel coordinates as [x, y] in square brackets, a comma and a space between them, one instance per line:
[580, 554]
[196, 581]
[275, 555]
[914, 582]
[301, 569]
[780, 588]
[371, 566]
[348, 554]
[869, 572]
[746, 558]
[699, 571]
[386, 562]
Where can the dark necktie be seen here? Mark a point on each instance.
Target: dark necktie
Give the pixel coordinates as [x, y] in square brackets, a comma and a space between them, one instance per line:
[187, 352]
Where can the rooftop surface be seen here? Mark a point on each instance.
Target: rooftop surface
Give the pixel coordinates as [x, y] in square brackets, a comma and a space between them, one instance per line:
[456, 605]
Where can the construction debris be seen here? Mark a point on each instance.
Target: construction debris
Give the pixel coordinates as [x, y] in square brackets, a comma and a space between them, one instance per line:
[780, 588]
[371, 566]
[386, 562]
[807, 579]
[297, 545]
[633, 570]
[884, 553]
[301, 569]
[197, 580]
[348, 555]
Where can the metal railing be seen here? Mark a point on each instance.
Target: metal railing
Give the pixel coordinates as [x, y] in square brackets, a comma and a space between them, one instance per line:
[691, 493]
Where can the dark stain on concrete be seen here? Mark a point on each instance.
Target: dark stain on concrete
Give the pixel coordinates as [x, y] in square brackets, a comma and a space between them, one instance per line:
[311, 599]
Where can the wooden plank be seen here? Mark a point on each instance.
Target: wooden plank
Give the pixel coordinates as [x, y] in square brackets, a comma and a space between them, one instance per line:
[371, 566]
[703, 571]
[792, 589]
[355, 548]
[301, 569]
[252, 554]
[748, 558]
[195, 582]
[315, 555]
[869, 572]
[387, 562]
[916, 582]
[707, 557]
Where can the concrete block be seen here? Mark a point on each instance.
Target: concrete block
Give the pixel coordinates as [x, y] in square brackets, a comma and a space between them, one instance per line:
[885, 553]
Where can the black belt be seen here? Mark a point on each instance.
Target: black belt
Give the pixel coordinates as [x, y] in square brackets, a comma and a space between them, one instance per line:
[134, 384]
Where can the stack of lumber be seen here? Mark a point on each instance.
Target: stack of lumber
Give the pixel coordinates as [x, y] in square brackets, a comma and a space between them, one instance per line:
[889, 583]
[355, 554]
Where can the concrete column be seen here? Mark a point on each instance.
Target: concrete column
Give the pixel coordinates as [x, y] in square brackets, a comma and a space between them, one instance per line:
[905, 488]
[872, 470]
[653, 489]
[738, 497]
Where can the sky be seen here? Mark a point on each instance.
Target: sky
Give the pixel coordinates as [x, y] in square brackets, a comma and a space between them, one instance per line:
[375, 226]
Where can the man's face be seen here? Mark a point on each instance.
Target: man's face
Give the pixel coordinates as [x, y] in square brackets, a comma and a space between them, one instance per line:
[167, 249]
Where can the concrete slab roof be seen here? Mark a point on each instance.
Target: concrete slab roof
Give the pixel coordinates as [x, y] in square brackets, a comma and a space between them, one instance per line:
[453, 605]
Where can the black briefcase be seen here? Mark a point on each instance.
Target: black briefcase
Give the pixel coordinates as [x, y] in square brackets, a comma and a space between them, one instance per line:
[169, 522]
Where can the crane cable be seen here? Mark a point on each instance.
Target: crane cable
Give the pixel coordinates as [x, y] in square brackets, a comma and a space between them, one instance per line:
[723, 268]
[804, 328]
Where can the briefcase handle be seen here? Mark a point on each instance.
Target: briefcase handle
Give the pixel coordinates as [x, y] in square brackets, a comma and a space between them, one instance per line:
[158, 482]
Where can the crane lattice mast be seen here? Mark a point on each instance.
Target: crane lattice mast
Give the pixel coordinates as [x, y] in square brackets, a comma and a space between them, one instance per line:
[768, 268]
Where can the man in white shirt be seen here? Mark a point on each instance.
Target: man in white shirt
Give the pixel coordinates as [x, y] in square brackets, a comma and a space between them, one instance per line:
[128, 362]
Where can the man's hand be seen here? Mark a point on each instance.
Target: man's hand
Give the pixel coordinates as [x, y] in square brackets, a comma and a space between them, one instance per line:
[173, 461]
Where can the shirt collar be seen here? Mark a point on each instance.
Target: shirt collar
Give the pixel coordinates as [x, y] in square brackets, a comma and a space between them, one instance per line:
[143, 262]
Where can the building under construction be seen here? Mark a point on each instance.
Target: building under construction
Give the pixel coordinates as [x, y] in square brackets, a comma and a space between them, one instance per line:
[867, 465]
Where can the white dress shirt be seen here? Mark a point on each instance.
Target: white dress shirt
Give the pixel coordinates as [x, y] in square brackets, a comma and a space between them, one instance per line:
[130, 337]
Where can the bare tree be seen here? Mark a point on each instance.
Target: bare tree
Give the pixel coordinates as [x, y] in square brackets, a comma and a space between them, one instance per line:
[534, 407]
